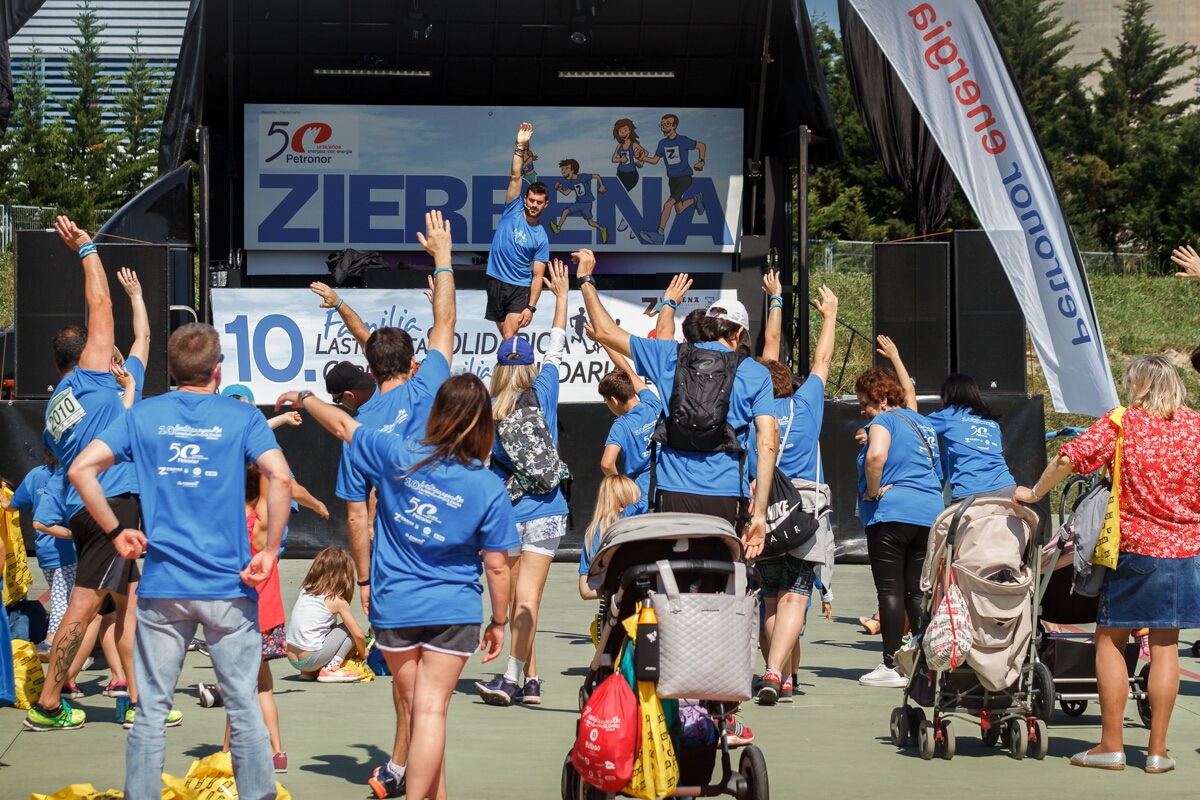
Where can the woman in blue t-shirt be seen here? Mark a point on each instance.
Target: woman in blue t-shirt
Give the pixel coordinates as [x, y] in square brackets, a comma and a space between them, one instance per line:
[972, 453]
[900, 485]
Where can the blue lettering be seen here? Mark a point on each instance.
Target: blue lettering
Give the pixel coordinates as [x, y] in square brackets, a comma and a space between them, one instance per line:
[274, 227]
[713, 225]
[363, 209]
[616, 199]
[334, 224]
[484, 208]
[1084, 337]
[416, 203]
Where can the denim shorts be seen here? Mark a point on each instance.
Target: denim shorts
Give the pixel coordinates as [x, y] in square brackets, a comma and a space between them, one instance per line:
[1149, 592]
[785, 573]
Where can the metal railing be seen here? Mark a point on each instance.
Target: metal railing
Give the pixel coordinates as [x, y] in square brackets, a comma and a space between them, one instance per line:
[837, 255]
[26, 218]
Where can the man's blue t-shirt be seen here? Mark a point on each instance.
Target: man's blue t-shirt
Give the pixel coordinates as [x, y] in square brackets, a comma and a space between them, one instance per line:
[714, 474]
[84, 403]
[402, 411]
[916, 493]
[581, 187]
[536, 506]
[631, 432]
[431, 525]
[972, 454]
[675, 151]
[52, 551]
[190, 451]
[516, 245]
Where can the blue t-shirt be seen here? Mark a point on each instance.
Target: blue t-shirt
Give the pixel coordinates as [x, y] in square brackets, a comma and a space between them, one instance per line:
[972, 454]
[675, 151]
[581, 187]
[588, 552]
[916, 493]
[799, 459]
[631, 432]
[27, 495]
[135, 367]
[516, 245]
[84, 403]
[431, 525]
[630, 163]
[53, 552]
[714, 474]
[190, 450]
[536, 506]
[402, 411]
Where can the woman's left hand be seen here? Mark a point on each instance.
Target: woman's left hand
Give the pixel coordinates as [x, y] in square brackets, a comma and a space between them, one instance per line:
[1024, 494]
[556, 279]
[493, 642]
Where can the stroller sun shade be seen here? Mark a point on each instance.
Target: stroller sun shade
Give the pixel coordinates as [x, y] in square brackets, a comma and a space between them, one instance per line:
[657, 527]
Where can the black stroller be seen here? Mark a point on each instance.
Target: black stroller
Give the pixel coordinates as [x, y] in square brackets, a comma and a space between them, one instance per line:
[702, 552]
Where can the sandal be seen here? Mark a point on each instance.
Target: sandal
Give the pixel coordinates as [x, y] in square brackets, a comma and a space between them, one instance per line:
[870, 625]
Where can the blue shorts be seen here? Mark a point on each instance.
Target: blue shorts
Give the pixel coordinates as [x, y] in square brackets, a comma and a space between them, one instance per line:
[1149, 592]
[785, 573]
[582, 209]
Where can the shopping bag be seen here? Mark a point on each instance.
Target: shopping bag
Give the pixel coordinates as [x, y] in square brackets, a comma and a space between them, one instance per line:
[1109, 544]
[27, 674]
[80, 791]
[655, 771]
[354, 663]
[17, 577]
[606, 744]
[210, 778]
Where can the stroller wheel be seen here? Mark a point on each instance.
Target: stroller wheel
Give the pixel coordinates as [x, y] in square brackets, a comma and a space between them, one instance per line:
[947, 739]
[898, 726]
[1041, 740]
[991, 735]
[1041, 691]
[753, 768]
[926, 739]
[1018, 738]
[1073, 708]
[1196, 649]
[915, 717]
[1143, 703]
[574, 787]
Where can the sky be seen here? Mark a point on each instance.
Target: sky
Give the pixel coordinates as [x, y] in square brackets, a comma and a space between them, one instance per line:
[826, 7]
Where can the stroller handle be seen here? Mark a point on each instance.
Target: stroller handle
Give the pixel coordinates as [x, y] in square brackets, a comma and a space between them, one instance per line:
[641, 571]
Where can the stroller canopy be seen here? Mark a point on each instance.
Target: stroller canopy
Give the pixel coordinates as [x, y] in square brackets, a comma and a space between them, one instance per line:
[652, 527]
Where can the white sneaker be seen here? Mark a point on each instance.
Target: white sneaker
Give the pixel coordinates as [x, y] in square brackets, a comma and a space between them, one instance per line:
[887, 677]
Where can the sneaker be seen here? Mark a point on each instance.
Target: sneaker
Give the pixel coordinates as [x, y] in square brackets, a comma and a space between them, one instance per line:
[531, 692]
[755, 684]
[1143, 643]
[71, 691]
[201, 648]
[769, 692]
[174, 719]
[555, 227]
[604, 236]
[43, 651]
[736, 733]
[65, 719]
[651, 237]
[338, 675]
[499, 691]
[884, 676]
[280, 760]
[308, 676]
[117, 689]
[785, 691]
[193, 644]
[699, 198]
[210, 695]
[385, 784]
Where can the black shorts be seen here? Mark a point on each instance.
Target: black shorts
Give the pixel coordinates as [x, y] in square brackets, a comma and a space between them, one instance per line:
[727, 508]
[504, 299]
[457, 640]
[100, 566]
[679, 185]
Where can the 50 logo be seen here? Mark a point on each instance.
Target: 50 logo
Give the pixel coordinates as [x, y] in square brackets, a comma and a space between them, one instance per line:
[330, 140]
[323, 131]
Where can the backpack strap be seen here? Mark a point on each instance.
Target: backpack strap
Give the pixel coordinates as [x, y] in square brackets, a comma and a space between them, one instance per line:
[928, 449]
[788, 432]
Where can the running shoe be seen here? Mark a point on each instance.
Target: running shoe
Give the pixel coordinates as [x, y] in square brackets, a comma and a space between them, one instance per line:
[884, 676]
[737, 734]
[201, 648]
[785, 691]
[174, 719]
[769, 692]
[116, 689]
[64, 719]
[71, 691]
[499, 691]
[210, 695]
[338, 675]
[604, 236]
[280, 761]
[308, 676]
[385, 784]
[531, 692]
[699, 198]
[555, 227]
[651, 237]
[193, 644]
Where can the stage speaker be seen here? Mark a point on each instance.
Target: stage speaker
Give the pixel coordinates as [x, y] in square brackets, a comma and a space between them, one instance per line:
[49, 296]
[989, 328]
[912, 306]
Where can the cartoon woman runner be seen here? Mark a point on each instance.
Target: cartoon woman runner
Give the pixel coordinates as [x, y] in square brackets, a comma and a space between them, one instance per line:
[528, 172]
[629, 153]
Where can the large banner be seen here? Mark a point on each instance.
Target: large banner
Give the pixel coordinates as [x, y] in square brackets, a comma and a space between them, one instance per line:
[946, 57]
[274, 340]
[321, 177]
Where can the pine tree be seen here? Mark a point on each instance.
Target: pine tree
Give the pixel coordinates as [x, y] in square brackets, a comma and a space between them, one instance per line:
[140, 106]
[33, 153]
[88, 145]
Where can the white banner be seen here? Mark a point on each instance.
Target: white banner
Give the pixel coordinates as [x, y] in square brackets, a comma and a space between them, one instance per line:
[274, 340]
[944, 53]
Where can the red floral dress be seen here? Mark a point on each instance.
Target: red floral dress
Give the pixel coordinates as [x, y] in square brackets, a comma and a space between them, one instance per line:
[1160, 478]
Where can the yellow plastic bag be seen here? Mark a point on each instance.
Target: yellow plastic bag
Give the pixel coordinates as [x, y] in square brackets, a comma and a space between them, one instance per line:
[1108, 546]
[27, 675]
[655, 770]
[210, 778]
[354, 663]
[17, 577]
[80, 791]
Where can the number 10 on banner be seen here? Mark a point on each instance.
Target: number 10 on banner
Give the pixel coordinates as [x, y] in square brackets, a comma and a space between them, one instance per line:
[256, 344]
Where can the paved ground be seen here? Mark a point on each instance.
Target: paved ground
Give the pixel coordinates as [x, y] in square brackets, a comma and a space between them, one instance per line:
[832, 742]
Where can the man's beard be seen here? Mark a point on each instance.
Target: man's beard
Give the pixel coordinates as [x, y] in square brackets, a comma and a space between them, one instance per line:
[533, 212]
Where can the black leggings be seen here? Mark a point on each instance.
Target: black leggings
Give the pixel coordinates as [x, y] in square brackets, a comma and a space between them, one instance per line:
[897, 553]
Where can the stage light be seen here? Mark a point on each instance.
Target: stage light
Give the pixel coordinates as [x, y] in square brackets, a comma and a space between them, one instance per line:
[418, 22]
[375, 73]
[615, 74]
[580, 26]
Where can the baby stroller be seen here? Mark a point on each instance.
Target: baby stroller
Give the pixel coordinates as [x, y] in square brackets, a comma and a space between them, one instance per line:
[1071, 657]
[702, 555]
[989, 546]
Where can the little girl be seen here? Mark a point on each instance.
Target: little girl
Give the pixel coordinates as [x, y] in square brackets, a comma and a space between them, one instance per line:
[617, 493]
[316, 642]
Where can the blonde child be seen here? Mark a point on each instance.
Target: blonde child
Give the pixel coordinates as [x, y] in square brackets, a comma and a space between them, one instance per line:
[617, 493]
[316, 643]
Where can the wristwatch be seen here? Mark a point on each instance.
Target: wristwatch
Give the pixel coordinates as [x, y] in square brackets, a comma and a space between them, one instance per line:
[586, 279]
[532, 309]
[300, 395]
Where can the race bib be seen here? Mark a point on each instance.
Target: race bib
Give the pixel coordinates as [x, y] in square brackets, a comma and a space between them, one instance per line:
[62, 413]
[672, 154]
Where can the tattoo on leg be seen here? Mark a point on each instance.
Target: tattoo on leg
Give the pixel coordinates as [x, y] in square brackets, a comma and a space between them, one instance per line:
[64, 653]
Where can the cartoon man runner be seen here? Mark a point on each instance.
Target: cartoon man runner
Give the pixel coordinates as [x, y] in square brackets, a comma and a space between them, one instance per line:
[674, 148]
[579, 187]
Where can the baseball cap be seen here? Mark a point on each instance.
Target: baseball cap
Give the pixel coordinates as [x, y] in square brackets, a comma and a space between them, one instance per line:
[514, 352]
[345, 376]
[731, 310]
[238, 390]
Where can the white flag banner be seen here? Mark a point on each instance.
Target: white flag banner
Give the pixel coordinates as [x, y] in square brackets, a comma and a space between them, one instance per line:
[274, 340]
[947, 58]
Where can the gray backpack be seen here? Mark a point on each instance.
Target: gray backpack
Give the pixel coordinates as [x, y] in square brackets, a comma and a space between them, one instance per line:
[527, 441]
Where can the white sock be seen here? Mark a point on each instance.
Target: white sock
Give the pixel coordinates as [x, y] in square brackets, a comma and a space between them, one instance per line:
[334, 663]
[513, 673]
[395, 769]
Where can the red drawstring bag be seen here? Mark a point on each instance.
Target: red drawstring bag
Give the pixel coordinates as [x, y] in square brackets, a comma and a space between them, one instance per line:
[608, 737]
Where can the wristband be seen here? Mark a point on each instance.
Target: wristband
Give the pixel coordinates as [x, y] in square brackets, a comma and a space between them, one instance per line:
[501, 624]
[585, 279]
[774, 306]
[339, 304]
[775, 297]
[532, 309]
[87, 249]
[114, 533]
[442, 269]
[367, 582]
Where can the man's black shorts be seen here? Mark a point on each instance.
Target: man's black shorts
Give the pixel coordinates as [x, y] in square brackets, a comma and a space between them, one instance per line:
[504, 299]
[679, 185]
[100, 566]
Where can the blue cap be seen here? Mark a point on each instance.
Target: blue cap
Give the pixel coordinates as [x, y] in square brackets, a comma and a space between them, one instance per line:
[515, 352]
[238, 390]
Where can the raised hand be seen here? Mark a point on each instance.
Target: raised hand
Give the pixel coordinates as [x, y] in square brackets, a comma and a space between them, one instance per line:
[771, 283]
[329, 298]
[678, 288]
[586, 261]
[436, 240]
[524, 134]
[70, 233]
[1186, 258]
[887, 348]
[129, 281]
[828, 304]
[556, 280]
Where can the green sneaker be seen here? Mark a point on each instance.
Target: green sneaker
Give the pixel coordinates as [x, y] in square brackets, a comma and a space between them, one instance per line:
[67, 719]
[174, 719]
[604, 236]
[555, 227]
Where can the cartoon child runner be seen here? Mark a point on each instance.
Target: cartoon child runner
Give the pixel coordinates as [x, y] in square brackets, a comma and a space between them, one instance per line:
[581, 188]
[674, 148]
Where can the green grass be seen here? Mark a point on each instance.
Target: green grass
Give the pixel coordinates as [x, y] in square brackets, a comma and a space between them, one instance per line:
[7, 289]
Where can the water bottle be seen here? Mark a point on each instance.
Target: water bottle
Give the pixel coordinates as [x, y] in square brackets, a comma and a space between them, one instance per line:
[645, 657]
[122, 708]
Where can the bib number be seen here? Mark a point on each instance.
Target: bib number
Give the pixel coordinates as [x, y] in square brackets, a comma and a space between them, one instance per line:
[64, 411]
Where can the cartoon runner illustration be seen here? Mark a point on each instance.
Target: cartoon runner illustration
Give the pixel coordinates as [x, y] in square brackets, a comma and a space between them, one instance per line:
[528, 170]
[628, 154]
[674, 148]
[581, 188]
[579, 323]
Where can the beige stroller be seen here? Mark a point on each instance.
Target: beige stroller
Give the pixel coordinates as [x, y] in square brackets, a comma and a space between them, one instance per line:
[990, 545]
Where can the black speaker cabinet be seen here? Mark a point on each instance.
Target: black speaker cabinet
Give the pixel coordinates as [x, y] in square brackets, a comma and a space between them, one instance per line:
[989, 329]
[912, 306]
[49, 296]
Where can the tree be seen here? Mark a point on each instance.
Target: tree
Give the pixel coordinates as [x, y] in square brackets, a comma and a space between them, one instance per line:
[31, 161]
[140, 107]
[88, 146]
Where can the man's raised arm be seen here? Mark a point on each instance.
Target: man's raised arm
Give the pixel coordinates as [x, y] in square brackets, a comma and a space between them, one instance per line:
[350, 318]
[98, 351]
[524, 134]
[606, 331]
